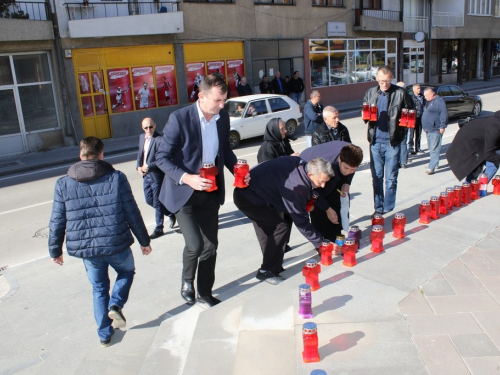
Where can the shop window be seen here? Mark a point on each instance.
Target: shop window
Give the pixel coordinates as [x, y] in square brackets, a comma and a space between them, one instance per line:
[31, 68]
[9, 123]
[39, 110]
[480, 7]
[278, 104]
[5, 71]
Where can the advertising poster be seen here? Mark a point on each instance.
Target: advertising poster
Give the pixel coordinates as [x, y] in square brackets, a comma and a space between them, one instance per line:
[166, 86]
[88, 110]
[100, 106]
[83, 81]
[97, 85]
[144, 88]
[120, 90]
[195, 72]
[217, 68]
[235, 70]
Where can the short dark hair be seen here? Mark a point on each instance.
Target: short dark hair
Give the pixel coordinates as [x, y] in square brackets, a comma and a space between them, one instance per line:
[213, 80]
[384, 69]
[352, 155]
[91, 147]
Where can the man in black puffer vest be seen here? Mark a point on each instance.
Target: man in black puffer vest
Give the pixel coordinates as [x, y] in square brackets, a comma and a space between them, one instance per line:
[95, 210]
[331, 129]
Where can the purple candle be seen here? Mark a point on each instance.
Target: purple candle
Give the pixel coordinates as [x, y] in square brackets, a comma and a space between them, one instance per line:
[305, 301]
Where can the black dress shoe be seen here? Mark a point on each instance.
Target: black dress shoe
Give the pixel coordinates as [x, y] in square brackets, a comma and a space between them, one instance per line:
[288, 248]
[209, 301]
[187, 292]
[172, 221]
[156, 234]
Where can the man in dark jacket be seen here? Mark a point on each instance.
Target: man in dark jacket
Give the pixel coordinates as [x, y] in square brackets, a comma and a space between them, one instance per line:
[95, 210]
[265, 86]
[244, 88]
[313, 115]
[280, 185]
[385, 137]
[152, 175]
[416, 133]
[279, 85]
[476, 143]
[296, 87]
[434, 123]
[345, 159]
[331, 129]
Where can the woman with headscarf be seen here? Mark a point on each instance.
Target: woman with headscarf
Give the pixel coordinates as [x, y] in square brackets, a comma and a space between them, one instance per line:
[276, 143]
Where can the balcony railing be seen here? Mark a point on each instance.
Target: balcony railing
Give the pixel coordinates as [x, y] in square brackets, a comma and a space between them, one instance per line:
[447, 19]
[390, 15]
[414, 24]
[29, 10]
[79, 11]
[328, 3]
[209, 1]
[274, 2]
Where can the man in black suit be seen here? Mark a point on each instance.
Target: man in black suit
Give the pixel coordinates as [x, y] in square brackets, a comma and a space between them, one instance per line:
[195, 135]
[153, 176]
[279, 85]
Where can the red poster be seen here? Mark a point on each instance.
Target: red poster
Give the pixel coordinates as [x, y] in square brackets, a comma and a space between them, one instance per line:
[166, 86]
[97, 85]
[195, 73]
[88, 110]
[235, 70]
[83, 82]
[143, 81]
[218, 68]
[119, 90]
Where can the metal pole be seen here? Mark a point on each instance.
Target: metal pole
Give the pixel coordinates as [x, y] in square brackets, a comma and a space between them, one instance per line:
[430, 43]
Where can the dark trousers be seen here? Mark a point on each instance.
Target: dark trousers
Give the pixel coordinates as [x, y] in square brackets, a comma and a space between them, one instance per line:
[152, 193]
[320, 220]
[415, 136]
[199, 222]
[271, 228]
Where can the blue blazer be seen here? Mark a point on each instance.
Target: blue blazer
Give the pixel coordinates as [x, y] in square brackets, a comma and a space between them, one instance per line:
[181, 151]
[155, 172]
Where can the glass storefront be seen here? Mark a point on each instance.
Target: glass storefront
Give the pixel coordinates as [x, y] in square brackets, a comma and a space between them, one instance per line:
[349, 61]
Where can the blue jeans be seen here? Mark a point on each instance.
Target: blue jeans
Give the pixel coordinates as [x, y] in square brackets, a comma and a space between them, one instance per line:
[404, 150]
[296, 96]
[434, 143]
[384, 160]
[97, 272]
[152, 194]
[491, 169]
[309, 138]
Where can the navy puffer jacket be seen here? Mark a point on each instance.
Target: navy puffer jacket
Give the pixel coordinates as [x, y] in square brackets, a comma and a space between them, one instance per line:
[94, 207]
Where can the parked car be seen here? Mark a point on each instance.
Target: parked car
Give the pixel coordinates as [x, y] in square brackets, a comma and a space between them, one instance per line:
[458, 102]
[250, 114]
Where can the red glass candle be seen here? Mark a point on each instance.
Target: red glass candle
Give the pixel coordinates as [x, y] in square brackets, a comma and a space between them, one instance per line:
[240, 170]
[496, 185]
[209, 171]
[443, 203]
[311, 271]
[483, 184]
[311, 202]
[373, 112]
[466, 190]
[474, 193]
[377, 238]
[310, 339]
[403, 121]
[349, 249]
[398, 225]
[412, 115]
[366, 111]
[378, 220]
[451, 197]
[326, 250]
[435, 207]
[425, 212]
[457, 199]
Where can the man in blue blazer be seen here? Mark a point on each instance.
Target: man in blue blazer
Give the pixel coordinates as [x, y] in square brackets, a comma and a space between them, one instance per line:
[152, 175]
[193, 136]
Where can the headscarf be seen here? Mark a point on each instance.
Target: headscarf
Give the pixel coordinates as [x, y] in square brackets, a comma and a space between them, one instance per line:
[273, 134]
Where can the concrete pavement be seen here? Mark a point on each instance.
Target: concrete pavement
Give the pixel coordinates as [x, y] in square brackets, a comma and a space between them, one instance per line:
[429, 304]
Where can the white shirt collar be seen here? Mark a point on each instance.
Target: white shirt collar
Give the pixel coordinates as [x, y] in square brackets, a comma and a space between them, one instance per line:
[202, 116]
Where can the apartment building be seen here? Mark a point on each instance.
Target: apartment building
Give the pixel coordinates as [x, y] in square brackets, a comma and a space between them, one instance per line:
[109, 64]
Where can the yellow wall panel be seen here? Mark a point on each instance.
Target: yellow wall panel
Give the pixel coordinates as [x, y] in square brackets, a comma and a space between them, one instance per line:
[213, 51]
[86, 59]
[138, 55]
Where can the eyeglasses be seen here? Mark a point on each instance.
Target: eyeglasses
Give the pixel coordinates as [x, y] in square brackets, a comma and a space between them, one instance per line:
[148, 127]
[387, 81]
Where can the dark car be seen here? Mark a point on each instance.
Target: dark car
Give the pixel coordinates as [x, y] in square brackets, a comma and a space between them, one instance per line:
[458, 102]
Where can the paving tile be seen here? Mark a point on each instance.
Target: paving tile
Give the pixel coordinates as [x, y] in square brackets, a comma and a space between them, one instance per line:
[461, 279]
[437, 286]
[463, 303]
[257, 353]
[474, 345]
[440, 356]
[492, 285]
[493, 255]
[479, 263]
[415, 304]
[490, 323]
[442, 324]
[491, 241]
[483, 365]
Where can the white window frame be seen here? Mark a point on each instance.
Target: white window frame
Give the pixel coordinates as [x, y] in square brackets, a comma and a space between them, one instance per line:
[480, 8]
